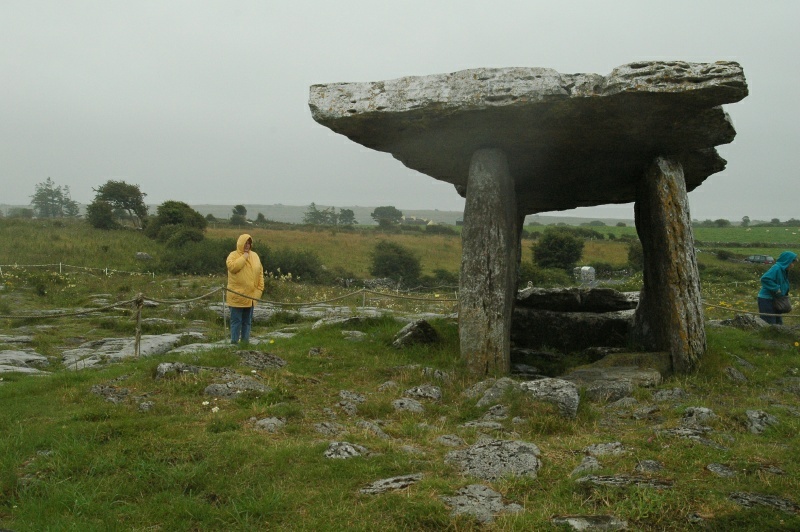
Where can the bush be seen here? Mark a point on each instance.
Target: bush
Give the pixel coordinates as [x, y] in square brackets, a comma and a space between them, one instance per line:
[635, 256]
[604, 269]
[440, 230]
[440, 277]
[724, 254]
[100, 215]
[302, 264]
[174, 213]
[206, 257]
[183, 235]
[558, 249]
[542, 277]
[395, 262]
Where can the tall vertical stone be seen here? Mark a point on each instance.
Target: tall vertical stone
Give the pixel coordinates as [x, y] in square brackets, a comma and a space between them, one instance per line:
[491, 241]
[670, 313]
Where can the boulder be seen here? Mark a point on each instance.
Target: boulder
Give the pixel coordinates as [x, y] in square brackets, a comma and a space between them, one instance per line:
[560, 392]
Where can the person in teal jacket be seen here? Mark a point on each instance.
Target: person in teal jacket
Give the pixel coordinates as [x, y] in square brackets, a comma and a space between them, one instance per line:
[775, 283]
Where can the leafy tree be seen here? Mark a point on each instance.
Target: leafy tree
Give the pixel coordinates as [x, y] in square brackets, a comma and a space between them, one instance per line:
[172, 216]
[558, 249]
[622, 224]
[347, 217]
[210, 218]
[722, 222]
[238, 220]
[315, 216]
[240, 210]
[746, 221]
[775, 221]
[260, 219]
[635, 255]
[100, 215]
[51, 201]
[387, 215]
[123, 197]
[395, 262]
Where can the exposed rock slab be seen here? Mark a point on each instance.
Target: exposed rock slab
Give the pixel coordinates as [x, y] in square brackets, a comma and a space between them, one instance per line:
[571, 139]
[480, 502]
[577, 299]
[99, 352]
[493, 459]
[590, 522]
[391, 484]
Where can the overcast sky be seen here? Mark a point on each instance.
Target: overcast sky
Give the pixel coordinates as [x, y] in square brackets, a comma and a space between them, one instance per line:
[207, 102]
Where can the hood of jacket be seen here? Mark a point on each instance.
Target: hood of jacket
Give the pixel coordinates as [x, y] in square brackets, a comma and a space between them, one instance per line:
[785, 259]
[243, 240]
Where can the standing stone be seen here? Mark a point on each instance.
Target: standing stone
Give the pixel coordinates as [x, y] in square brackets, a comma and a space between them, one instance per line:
[670, 314]
[490, 239]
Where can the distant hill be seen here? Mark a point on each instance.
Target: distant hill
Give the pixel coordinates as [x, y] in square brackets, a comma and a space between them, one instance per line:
[294, 214]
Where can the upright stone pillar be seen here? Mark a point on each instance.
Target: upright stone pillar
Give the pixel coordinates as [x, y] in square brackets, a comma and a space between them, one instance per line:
[670, 313]
[491, 240]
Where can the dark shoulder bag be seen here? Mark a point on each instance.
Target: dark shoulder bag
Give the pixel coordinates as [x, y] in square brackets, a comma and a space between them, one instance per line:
[781, 304]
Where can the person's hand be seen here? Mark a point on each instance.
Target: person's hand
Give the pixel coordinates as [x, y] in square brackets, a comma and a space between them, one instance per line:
[246, 254]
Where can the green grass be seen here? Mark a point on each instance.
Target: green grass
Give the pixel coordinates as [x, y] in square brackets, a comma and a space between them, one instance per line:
[71, 461]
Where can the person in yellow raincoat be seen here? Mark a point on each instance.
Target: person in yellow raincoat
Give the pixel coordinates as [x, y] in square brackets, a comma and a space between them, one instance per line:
[245, 285]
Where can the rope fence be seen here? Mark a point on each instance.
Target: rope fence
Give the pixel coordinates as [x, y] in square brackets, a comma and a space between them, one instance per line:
[61, 267]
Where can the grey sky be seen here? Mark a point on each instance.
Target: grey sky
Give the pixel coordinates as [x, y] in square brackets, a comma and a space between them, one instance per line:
[207, 102]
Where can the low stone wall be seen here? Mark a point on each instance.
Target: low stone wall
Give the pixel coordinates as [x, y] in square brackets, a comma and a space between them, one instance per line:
[572, 319]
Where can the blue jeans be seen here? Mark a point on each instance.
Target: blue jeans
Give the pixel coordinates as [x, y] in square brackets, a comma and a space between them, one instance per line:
[765, 307]
[241, 320]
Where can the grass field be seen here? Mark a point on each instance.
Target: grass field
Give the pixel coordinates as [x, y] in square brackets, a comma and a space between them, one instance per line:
[70, 460]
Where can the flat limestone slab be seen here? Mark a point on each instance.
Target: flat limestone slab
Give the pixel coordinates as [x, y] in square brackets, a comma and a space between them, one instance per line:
[571, 139]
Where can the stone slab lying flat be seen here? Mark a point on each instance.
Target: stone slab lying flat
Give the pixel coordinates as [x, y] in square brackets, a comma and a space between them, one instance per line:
[571, 139]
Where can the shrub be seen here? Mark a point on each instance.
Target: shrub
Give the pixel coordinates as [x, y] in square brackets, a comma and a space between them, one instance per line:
[440, 277]
[601, 268]
[724, 254]
[100, 215]
[302, 264]
[542, 277]
[440, 230]
[206, 257]
[558, 249]
[395, 262]
[183, 235]
[635, 256]
[173, 213]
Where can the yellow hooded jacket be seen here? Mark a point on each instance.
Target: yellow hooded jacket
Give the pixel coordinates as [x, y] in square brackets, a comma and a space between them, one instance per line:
[245, 276]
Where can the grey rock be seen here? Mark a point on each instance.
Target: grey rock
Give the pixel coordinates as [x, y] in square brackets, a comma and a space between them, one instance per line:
[353, 397]
[18, 339]
[734, 375]
[698, 415]
[329, 428]
[388, 385]
[646, 412]
[22, 361]
[588, 464]
[479, 388]
[373, 428]
[480, 502]
[758, 421]
[749, 500]
[451, 440]
[745, 321]
[418, 332]
[674, 395]
[590, 522]
[496, 413]
[99, 352]
[560, 392]
[495, 390]
[425, 391]
[342, 450]
[695, 433]
[624, 480]
[605, 449]
[141, 255]
[339, 322]
[493, 459]
[434, 123]
[742, 362]
[355, 336]
[391, 484]
[623, 403]
[270, 424]
[408, 405]
[436, 374]
[146, 406]
[259, 360]
[649, 466]
[236, 386]
[112, 394]
[485, 425]
[167, 369]
[350, 408]
[721, 470]
[577, 299]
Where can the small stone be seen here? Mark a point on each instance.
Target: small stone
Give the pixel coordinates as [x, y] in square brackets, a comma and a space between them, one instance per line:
[721, 470]
[341, 450]
[409, 405]
[649, 466]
